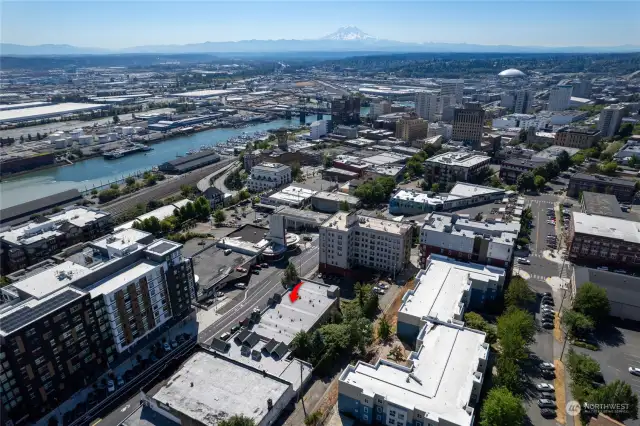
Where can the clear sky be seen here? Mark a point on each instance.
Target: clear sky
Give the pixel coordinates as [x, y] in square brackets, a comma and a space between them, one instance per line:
[114, 24]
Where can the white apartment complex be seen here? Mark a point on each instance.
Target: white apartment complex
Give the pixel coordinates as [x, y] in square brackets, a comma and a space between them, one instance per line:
[451, 235]
[348, 240]
[319, 129]
[610, 119]
[427, 105]
[559, 97]
[268, 176]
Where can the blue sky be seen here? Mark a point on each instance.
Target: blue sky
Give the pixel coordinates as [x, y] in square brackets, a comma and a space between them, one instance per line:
[113, 24]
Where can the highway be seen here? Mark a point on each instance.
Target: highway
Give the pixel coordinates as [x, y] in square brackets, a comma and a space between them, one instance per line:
[162, 189]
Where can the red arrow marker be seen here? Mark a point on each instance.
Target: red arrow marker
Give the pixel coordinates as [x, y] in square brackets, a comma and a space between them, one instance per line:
[293, 296]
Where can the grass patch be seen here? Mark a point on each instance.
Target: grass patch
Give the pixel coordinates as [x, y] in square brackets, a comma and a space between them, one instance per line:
[585, 345]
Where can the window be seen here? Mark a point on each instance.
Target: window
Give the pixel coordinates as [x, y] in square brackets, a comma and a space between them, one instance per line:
[365, 417]
[379, 409]
[401, 416]
[379, 418]
[365, 409]
[392, 413]
[391, 422]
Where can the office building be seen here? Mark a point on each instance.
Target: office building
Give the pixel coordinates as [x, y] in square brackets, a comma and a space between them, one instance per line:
[508, 100]
[452, 88]
[468, 123]
[345, 110]
[512, 168]
[319, 129]
[348, 240]
[411, 127]
[70, 322]
[523, 102]
[268, 176]
[623, 189]
[443, 292]
[32, 242]
[411, 202]
[454, 167]
[523, 121]
[604, 241]
[379, 108]
[440, 129]
[577, 137]
[439, 385]
[349, 132]
[427, 104]
[448, 234]
[559, 97]
[610, 119]
[581, 88]
[331, 202]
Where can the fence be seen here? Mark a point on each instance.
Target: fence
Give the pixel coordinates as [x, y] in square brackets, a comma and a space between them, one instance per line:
[120, 181]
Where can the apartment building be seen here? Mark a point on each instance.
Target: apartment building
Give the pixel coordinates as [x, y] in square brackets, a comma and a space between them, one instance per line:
[559, 97]
[379, 108]
[448, 234]
[32, 242]
[411, 202]
[452, 88]
[454, 167]
[70, 322]
[348, 241]
[523, 103]
[427, 104]
[443, 292]
[604, 241]
[577, 137]
[438, 386]
[411, 127]
[268, 176]
[468, 123]
[512, 168]
[319, 129]
[623, 189]
[610, 120]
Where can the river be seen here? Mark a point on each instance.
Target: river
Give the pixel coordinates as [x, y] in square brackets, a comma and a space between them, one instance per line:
[97, 171]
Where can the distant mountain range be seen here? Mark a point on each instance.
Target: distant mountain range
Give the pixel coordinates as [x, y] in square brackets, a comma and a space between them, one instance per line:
[344, 39]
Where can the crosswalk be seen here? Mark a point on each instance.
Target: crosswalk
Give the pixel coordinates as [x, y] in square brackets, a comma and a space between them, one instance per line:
[543, 202]
[538, 277]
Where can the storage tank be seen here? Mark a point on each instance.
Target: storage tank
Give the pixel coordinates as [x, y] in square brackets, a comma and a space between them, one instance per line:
[76, 133]
[85, 139]
[60, 143]
[103, 138]
[69, 141]
[113, 136]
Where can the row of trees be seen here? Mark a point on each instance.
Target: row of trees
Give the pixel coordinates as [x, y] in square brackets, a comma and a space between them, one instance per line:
[526, 224]
[198, 209]
[585, 372]
[131, 185]
[590, 309]
[377, 191]
[538, 177]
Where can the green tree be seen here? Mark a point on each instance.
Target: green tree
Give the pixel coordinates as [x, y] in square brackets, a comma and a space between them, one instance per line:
[301, 345]
[593, 302]
[633, 162]
[116, 119]
[609, 168]
[313, 419]
[475, 321]
[130, 181]
[564, 161]
[519, 294]
[290, 275]
[618, 393]
[539, 182]
[502, 408]
[577, 323]
[525, 182]
[509, 375]
[317, 346]
[397, 353]
[577, 159]
[583, 368]
[187, 190]
[219, 216]
[344, 206]
[516, 330]
[237, 420]
[495, 182]
[625, 130]
[384, 329]
[435, 187]
[552, 169]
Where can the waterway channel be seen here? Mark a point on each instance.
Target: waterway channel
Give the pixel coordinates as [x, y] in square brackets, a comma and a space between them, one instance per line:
[97, 171]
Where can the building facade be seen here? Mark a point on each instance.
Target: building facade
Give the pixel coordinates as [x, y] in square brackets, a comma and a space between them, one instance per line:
[447, 234]
[345, 110]
[468, 123]
[512, 168]
[379, 108]
[452, 88]
[427, 104]
[523, 103]
[454, 167]
[560, 97]
[410, 128]
[623, 189]
[268, 176]
[577, 137]
[348, 241]
[319, 129]
[610, 119]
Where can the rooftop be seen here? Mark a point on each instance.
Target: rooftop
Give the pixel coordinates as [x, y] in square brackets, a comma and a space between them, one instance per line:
[512, 72]
[601, 204]
[441, 286]
[337, 196]
[606, 227]
[343, 221]
[552, 152]
[620, 288]
[317, 217]
[386, 158]
[160, 213]
[462, 159]
[269, 167]
[207, 389]
[121, 278]
[604, 179]
[203, 93]
[46, 110]
[292, 194]
[451, 223]
[440, 379]
[15, 213]
[465, 190]
[52, 279]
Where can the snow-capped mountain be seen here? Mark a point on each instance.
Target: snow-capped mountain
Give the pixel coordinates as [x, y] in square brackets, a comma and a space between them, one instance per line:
[348, 33]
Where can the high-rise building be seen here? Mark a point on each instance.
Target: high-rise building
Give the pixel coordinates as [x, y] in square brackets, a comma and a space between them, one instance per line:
[379, 108]
[523, 102]
[453, 87]
[507, 100]
[468, 123]
[345, 110]
[427, 104]
[446, 101]
[319, 129]
[560, 97]
[411, 127]
[610, 119]
[581, 88]
[348, 240]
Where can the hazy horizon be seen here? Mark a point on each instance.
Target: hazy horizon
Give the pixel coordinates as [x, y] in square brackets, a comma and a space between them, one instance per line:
[118, 25]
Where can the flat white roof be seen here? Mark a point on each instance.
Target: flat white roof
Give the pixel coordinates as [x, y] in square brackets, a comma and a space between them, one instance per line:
[47, 110]
[22, 105]
[606, 227]
[128, 235]
[339, 221]
[52, 279]
[210, 389]
[203, 93]
[465, 190]
[386, 158]
[445, 367]
[441, 285]
[293, 194]
[462, 159]
[121, 278]
[337, 196]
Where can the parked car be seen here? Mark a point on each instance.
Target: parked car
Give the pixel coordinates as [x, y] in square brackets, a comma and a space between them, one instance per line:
[524, 261]
[241, 286]
[545, 387]
[548, 412]
[219, 294]
[635, 371]
[378, 290]
[225, 335]
[228, 251]
[120, 381]
[547, 325]
[620, 271]
[603, 268]
[235, 328]
[255, 271]
[166, 347]
[546, 403]
[383, 286]
[111, 387]
[240, 269]
[548, 374]
[264, 265]
[257, 266]
[548, 395]
[174, 344]
[307, 238]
